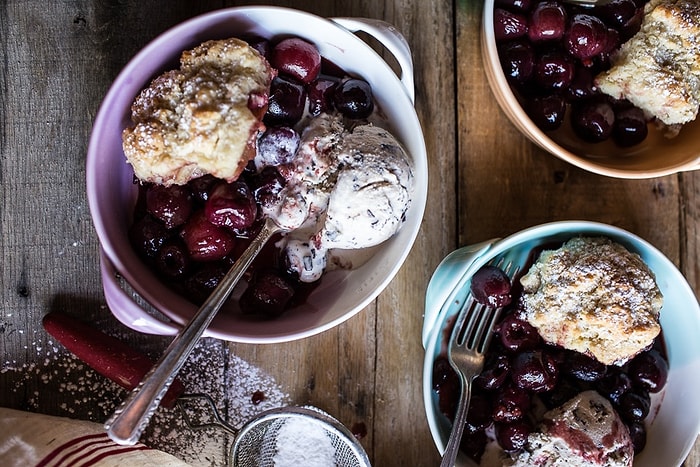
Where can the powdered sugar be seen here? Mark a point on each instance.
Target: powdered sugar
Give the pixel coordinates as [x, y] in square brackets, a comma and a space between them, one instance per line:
[60, 384]
[303, 442]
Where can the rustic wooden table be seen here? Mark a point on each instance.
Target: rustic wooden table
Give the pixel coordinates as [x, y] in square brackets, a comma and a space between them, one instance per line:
[486, 180]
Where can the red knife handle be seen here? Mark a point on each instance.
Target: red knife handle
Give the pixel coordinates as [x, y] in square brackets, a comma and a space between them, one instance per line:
[107, 355]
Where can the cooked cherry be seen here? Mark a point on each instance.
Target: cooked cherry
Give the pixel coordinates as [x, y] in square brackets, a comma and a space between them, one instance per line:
[474, 444]
[508, 25]
[518, 335]
[172, 259]
[266, 186]
[565, 390]
[554, 71]
[634, 406]
[201, 187]
[203, 282]
[277, 145]
[491, 286]
[206, 241]
[582, 85]
[614, 384]
[513, 436]
[297, 58]
[649, 371]
[267, 295]
[495, 372]
[616, 13]
[630, 127]
[353, 98]
[547, 22]
[515, 5]
[638, 435]
[547, 112]
[593, 120]
[231, 205]
[147, 236]
[172, 205]
[320, 93]
[447, 385]
[286, 103]
[582, 366]
[586, 37]
[510, 404]
[535, 371]
[517, 60]
[479, 413]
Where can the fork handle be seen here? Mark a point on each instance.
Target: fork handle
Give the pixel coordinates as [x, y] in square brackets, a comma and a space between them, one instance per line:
[450, 456]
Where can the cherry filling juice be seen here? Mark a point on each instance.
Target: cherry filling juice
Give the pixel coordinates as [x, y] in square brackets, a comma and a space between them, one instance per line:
[522, 375]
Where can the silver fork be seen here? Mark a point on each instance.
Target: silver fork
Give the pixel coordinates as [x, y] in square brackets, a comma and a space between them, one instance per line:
[469, 340]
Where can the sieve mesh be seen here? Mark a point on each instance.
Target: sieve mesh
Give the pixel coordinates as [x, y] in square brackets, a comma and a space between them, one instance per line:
[257, 442]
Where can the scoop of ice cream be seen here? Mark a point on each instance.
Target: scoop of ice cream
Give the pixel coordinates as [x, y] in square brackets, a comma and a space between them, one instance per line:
[371, 195]
[593, 296]
[355, 185]
[585, 432]
[202, 118]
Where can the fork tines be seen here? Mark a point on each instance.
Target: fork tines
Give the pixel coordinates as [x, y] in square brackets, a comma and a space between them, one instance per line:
[474, 325]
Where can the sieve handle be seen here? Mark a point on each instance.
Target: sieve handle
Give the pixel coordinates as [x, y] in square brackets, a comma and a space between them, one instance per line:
[131, 418]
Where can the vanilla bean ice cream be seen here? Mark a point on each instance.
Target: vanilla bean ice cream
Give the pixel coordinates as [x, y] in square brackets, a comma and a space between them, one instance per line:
[347, 189]
[584, 432]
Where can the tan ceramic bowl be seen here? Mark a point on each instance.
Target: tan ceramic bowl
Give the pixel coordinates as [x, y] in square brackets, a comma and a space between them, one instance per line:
[656, 156]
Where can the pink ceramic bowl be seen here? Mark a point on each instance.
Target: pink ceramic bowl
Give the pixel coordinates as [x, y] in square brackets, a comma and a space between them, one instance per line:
[130, 287]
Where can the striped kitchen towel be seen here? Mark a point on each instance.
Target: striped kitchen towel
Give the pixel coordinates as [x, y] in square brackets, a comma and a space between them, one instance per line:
[28, 439]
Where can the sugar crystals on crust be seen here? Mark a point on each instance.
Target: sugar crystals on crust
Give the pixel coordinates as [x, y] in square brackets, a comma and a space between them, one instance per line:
[593, 296]
[202, 118]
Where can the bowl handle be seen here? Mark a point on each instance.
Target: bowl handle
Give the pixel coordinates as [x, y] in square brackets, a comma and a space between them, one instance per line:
[450, 274]
[390, 38]
[123, 306]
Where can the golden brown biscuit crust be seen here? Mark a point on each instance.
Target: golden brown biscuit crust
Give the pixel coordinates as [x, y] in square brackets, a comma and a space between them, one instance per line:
[595, 297]
[197, 120]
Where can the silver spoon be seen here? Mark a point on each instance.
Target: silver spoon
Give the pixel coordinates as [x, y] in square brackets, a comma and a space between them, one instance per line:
[131, 418]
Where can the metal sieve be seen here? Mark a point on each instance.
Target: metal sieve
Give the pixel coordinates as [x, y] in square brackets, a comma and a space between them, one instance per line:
[258, 440]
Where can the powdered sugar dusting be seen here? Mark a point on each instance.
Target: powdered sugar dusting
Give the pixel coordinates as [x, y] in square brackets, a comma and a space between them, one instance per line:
[60, 384]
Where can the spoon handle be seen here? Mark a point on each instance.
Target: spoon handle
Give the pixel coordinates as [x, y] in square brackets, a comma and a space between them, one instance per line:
[131, 418]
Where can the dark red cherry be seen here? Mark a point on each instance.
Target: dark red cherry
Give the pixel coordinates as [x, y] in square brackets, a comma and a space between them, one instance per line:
[630, 127]
[649, 371]
[593, 120]
[231, 205]
[510, 404]
[638, 435]
[554, 71]
[517, 61]
[547, 112]
[614, 384]
[491, 286]
[147, 235]
[173, 260]
[508, 25]
[586, 37]
[353, 98]
[267, 185]
[277, 145]
[513, 436]
[171, 205]
[206, 241]
[201, 187]
[535, 371]
[286, 103]
[634, 406]
[518, 335]
[267, 295]
[547, 22]
[320, 93]
[495, 372]
[296, 58]
[515, 5]
[203, 282]
[582, 367]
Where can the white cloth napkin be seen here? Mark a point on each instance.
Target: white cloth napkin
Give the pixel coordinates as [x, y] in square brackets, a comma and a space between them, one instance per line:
[33, 439]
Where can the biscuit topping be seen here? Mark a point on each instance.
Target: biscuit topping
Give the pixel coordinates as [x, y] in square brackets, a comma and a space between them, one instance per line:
[595, 297]
[201, 119]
